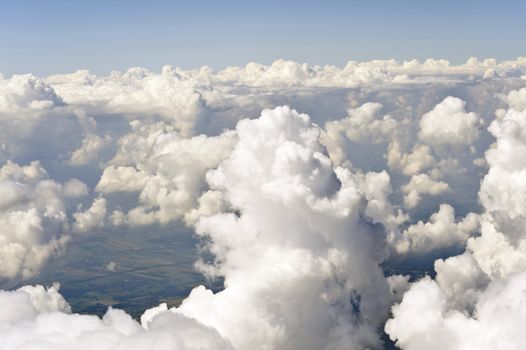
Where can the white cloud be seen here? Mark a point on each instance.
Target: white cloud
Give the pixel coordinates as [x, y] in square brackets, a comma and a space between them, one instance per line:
[37, 318]
[449, 124]
[517, 99]
[30, 173]
[419, 159]
[461, 279]
[92, 218]
[167, 169]
[26, 93]
[91, 146]
[111, 266]
[504, 187]
[422, 184]
[477, 299]
[299, 249]
[441, 231]
[75, 188]
[33, 222]
[424, 319]
[137, 91]
[210, 202]
[24, 99]
[377, 189]
[121, 179]
[363, 125]
[296, 237]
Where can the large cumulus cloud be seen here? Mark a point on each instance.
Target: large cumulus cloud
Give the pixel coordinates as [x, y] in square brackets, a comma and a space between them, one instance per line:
[299, 249]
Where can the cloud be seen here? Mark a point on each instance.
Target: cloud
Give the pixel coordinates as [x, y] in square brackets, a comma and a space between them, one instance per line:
[517, 99]
[33, 220]
[26, 93]
[111, 266]
[363, 125]
[504, 187]
[297, 241]
[37, 318]
[419, 159]
[424, 319]
[24, 99]
[88, 151]
[297, 217]
[121, 179]
[92, 218]
[75, 188]
[449, 124]
[298, 250]
[377, 190]
[167, 169]
[441, 231]
[421, 184]
[477, 299]
[137, 91]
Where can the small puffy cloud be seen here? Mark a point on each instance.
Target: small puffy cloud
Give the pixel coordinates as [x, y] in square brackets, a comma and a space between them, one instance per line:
[377, 189]
[422, 184]
[117, 218]
[517, 99]
[33, 221]
[363, 125]
[449, 124]
[441, 231]
[111, 266]
[419, 159]
[30, 173]
[121, 179]
[89, 150]
[480, 162]
[75, 188]
[211, 202]
[92, 218]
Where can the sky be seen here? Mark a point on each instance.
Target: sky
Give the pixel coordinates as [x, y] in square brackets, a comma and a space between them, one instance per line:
[46, 37]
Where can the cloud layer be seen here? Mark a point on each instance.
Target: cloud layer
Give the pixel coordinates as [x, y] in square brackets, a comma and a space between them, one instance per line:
[301, 182]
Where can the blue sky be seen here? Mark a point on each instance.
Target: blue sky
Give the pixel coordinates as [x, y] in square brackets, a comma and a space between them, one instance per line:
[45, 37]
